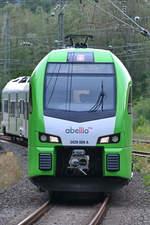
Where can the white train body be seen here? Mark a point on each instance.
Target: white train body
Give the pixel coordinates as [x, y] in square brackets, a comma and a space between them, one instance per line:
[15, 106]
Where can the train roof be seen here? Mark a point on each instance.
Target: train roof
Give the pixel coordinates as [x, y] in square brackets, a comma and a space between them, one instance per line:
[81, 55]
[100, 55]
[19, 84]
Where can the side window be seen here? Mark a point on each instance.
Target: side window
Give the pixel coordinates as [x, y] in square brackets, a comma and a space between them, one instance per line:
[21, 107]
[12, 109]
[30, 99]
[6, 106]
[130, 101]
[18, 109]
[26, 111]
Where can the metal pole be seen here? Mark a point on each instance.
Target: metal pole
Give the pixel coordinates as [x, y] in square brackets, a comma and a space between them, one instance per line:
[7, 47]
[61, 24]
[124, 6]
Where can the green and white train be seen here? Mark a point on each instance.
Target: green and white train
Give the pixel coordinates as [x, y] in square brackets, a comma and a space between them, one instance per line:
[80, 119]
[80, 122]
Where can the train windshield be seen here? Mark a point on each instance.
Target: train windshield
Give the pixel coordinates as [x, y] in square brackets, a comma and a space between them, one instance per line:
[80, 87]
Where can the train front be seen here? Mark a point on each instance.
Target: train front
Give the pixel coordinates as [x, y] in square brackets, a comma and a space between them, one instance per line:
[80, 122]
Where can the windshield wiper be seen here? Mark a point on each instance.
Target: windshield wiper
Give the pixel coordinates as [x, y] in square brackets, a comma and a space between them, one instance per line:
[100, 101]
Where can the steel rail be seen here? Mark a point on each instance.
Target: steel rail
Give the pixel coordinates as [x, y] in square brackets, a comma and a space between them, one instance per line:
[141, 141]
[140, 153]
[96, 219]
[15, 141]
[37, 214]
[4, 138]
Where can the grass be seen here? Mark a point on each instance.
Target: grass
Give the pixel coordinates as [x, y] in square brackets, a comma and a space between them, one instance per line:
[142, 132]
[142, 164]
[10, 170]
[142, 147]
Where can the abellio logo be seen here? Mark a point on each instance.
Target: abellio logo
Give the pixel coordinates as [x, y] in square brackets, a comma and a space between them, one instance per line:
[80, 130]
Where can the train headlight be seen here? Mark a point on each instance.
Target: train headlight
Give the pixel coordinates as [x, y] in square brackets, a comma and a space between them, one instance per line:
[54, 139]
[43, 138]
[49, 138]
[104, 140]
[109, 139]
[115, 138]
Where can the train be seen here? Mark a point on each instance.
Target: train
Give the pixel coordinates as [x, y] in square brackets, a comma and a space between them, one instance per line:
[79, 104]
[15, 108]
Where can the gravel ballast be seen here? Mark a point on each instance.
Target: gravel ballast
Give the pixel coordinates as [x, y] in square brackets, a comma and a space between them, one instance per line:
[130, 205]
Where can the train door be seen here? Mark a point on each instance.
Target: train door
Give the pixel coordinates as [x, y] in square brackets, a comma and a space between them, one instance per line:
[17, 114]
[4, 113]
[26, 114]
[12, 114]
[21, 125]
[8, 127]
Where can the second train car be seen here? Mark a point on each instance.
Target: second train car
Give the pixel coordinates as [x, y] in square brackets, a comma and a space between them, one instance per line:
[15, 108]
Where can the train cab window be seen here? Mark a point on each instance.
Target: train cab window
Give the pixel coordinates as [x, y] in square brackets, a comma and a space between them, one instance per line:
[6, 106]
[130, 101]
[64, 92]
[80, 88]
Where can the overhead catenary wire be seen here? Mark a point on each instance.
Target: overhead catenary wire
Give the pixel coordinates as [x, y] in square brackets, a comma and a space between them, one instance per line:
[115, 6]
[143, 30]
[111, 15]
[137, 28]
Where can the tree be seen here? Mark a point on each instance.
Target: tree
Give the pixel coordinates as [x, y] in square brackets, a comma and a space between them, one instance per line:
[45, 4]
[3, 3]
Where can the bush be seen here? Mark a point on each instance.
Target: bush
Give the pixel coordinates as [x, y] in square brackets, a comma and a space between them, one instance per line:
[140, 122]
[141, 119]
[142, 109]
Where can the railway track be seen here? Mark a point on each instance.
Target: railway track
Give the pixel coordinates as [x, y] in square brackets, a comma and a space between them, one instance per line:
[34, 217]
[101, 212]
[141, 141]
[15, 140]
[37, 214]
[141, 153]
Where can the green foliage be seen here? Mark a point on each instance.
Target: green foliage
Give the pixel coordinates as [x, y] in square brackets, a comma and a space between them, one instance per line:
[21, 73]
[3, 3]
[142, 164]
[142, 132]
[141, 119]
[34, 5]
[142, 109]
[146, 179]
[140, 122]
